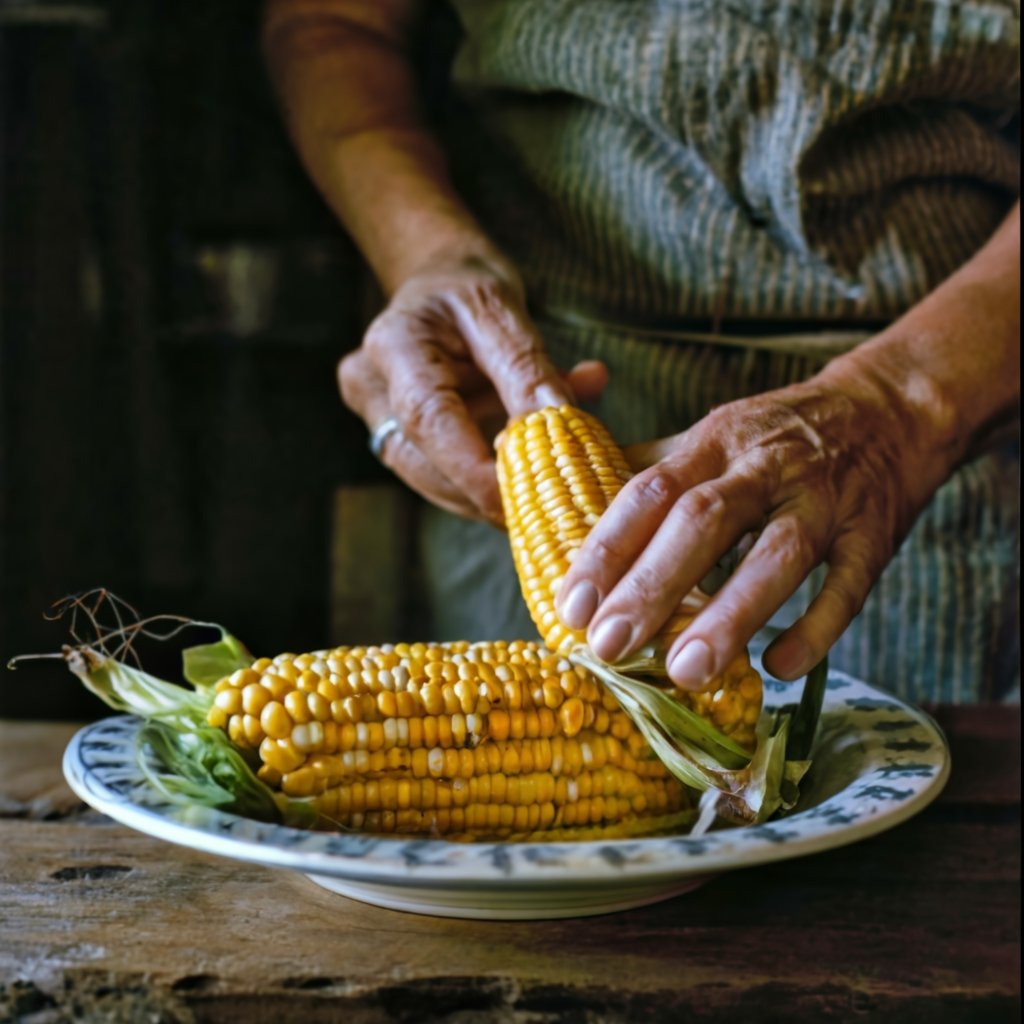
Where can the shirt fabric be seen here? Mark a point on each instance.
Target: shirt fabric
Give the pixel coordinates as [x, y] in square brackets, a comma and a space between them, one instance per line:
[665, 161]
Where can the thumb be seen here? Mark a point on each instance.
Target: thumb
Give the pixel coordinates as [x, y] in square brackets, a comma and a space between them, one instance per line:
[588, 380]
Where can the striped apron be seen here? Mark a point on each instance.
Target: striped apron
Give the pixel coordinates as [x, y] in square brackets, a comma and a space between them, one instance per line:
[661, 168]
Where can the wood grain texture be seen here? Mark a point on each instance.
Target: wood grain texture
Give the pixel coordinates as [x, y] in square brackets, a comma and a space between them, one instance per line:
[919, 924]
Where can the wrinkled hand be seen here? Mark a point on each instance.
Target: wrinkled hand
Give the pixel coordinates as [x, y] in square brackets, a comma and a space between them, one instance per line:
[452, 353]
[833, 470]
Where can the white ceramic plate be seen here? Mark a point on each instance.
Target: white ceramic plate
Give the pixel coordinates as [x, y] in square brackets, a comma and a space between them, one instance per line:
[877, 761]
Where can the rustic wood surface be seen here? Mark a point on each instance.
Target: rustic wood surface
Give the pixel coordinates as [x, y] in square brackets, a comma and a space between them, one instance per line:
[99, 923]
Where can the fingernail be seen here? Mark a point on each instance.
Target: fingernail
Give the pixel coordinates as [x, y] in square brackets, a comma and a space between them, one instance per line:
[545, 394]
[610, 639]
[693, 666]
[791, 658]
[579, 607]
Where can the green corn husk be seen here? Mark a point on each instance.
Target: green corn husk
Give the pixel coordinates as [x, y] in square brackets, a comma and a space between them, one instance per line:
[202, 765]
[806, 714]
[739, 788]
[129, 689]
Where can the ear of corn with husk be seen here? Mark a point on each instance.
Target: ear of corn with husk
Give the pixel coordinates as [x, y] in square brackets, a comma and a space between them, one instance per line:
[471, 741]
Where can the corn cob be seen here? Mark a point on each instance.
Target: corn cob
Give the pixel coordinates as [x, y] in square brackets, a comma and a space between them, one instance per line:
[486, 739]
[558, 471]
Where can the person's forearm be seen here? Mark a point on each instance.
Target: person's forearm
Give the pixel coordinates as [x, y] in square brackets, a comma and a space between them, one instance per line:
[349, 97]
[953, 360]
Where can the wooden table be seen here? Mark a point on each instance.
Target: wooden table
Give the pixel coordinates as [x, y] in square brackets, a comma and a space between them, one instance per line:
[99, 923]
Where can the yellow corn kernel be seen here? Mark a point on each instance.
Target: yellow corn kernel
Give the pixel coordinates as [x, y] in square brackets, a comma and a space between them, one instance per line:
[252, 730]
[277, 686]
[296, 706]
[229, 701]
[236, 731]
[319, 709]
[276, 722]
[280, 755]
[254, 698]
[217, 718]
[570, 715]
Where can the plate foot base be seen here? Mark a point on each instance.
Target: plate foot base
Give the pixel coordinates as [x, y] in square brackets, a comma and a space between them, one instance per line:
[520, 904]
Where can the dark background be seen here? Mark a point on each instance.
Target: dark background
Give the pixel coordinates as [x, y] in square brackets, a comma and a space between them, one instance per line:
[173, 300]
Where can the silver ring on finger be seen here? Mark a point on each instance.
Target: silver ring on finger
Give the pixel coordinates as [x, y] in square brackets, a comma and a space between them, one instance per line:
[380, 434]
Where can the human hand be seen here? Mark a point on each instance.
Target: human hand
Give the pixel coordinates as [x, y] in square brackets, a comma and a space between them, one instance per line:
[833, 470]
[453, 352]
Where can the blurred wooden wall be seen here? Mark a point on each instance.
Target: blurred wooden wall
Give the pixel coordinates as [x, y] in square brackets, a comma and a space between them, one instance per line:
[173, 300]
